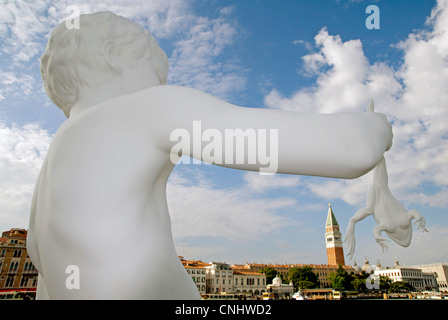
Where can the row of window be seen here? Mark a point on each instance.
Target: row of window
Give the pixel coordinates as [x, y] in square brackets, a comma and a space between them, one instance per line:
[220, 267]
[17, 253]
[223, 273]
[223, 281]
[14, 265]
[242, 281]
[201, 287]
[29, 266]
[403, 274]
[198, 279]
[429, 282]
[324, 274]
[411, 274]
[24, 282]
[250, 281]
[192, 271]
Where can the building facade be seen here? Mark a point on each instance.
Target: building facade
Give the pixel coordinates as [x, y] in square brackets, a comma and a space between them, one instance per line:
[420, 280]
[441, 273]
[197, 270]
[17, 272]
[279, 290]
[219, 277]
[253, 283]
[321, 270]
[333, 240]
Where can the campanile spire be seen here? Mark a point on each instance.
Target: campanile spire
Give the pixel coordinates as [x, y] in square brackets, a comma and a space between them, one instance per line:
[333, 238]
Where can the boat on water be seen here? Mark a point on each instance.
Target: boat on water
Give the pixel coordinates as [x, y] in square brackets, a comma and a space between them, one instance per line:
[299, 296]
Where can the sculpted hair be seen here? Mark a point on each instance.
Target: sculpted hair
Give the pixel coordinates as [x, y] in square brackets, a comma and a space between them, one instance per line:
[73, 58]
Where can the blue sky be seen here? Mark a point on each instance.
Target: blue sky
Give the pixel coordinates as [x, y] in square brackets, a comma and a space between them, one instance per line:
[304, 56]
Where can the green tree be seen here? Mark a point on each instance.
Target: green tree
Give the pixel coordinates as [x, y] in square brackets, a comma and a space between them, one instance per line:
[341, 279]
[270, 273]
[401, 286]
[359, 283]
[303, 277]
[385, 283]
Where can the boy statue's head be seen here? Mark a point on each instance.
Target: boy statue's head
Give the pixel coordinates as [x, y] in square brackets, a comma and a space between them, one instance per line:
[106, 48]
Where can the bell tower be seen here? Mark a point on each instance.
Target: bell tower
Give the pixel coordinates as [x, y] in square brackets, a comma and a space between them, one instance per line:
[333, 240]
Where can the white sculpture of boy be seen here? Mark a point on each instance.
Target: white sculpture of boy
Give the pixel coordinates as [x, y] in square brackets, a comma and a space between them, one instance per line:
[100, 201]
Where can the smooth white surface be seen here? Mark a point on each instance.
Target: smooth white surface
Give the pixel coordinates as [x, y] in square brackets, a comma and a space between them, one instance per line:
[389, 213]
[100, 199]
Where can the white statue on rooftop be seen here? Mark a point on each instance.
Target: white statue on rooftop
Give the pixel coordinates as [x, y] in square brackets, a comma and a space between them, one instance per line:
[100, 200]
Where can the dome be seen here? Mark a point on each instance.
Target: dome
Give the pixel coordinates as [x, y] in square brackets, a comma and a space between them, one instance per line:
[368, 268]
[378, 266]
[356, 268]
[277, 281]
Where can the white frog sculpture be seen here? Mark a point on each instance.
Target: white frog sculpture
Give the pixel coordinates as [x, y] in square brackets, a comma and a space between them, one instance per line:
[391, 216]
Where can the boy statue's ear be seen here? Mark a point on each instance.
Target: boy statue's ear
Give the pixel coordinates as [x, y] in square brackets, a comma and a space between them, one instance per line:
[112, 54]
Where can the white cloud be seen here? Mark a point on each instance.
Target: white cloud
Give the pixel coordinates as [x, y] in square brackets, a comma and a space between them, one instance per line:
[261, 183]
[209, 211]
[194, 60]
[162, 18]
[353, 192]
[16, 84]
[414, 97]
[345, 79]
[21, 21]
[22, 150]
[198, 41]
[25, 24]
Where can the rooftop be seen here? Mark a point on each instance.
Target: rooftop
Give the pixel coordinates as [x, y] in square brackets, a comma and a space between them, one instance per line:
[15, 233]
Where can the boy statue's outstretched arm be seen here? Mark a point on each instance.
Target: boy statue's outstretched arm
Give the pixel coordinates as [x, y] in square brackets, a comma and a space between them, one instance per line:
[345, 145]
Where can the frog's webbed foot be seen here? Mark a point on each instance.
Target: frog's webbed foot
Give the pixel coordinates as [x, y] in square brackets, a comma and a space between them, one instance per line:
[419, 220]
[421, 224]
[383, 243]
[379, 239]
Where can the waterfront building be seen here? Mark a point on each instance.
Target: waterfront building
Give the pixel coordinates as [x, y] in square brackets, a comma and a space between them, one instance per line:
[321, 270]
[219, 277]
[440, 270]
[197, 270]
[279, 290]
[253, 283]
[17, 272]
[420, 280]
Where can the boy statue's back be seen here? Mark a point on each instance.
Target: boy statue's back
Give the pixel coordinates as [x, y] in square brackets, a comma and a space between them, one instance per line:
[100, 199]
